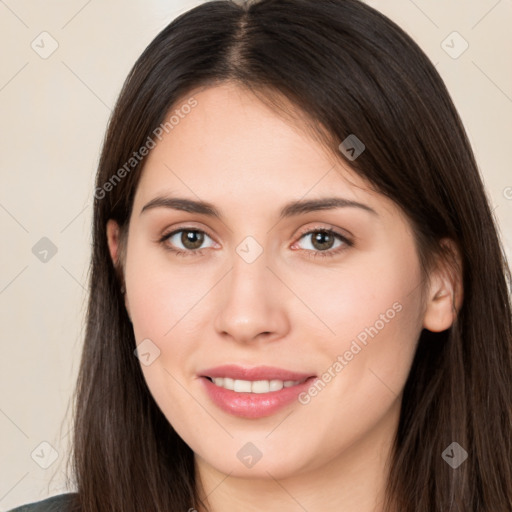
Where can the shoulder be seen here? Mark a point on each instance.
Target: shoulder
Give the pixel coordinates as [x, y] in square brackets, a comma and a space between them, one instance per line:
[59, 503]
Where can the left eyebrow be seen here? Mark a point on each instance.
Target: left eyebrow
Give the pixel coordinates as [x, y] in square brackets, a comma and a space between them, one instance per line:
[291, 209]
[327, 203]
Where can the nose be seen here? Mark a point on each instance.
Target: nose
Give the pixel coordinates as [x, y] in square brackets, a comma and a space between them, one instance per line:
[251, 303]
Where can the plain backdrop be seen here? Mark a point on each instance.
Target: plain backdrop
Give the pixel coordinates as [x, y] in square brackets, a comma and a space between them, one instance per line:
[63, 64]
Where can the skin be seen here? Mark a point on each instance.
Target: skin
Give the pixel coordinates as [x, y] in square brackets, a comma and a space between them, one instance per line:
[215, 308]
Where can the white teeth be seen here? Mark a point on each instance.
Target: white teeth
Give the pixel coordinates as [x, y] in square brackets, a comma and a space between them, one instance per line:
[242, 386]
[256, 386]
[260, 386]
[275, 385]
[229, 384]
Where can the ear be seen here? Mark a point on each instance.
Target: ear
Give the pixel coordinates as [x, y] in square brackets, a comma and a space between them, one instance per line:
[114, 246]
[113, 232]
[445, 294]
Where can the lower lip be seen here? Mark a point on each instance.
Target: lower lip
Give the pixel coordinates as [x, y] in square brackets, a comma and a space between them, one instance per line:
[253, 405]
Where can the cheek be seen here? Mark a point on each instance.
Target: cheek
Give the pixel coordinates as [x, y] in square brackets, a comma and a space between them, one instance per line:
[166, 303]
[162, 307]
[378, 289]
[374, 312]
[160, 294]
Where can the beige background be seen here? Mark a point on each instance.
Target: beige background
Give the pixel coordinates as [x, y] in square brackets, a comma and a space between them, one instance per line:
[54, 113]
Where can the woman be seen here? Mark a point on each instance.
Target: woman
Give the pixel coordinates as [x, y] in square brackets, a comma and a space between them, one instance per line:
[298, 296]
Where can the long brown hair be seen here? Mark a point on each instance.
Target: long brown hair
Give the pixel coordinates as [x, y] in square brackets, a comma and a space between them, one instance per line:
[350, 70]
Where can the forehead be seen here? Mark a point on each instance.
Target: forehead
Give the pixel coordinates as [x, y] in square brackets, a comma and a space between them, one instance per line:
[231, 145]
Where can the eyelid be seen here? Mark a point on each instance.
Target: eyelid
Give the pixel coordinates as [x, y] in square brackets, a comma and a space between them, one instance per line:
[186, 227]
[326, 227]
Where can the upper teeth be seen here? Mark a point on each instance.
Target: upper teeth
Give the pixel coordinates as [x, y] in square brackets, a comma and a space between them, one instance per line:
[256, 386]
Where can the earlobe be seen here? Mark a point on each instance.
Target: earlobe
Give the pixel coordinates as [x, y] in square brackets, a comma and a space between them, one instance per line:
[444, 298]
[440, 313]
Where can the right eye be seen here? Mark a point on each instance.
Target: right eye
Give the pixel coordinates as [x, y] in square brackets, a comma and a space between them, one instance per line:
[190, 239]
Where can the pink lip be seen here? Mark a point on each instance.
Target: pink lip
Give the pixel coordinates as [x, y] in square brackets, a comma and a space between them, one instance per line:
[254, 405]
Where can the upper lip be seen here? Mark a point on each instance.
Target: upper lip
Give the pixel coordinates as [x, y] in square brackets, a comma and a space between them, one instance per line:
[236, 372]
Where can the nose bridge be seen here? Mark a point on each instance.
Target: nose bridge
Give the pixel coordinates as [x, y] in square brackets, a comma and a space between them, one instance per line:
[251, 302]
[250, 276]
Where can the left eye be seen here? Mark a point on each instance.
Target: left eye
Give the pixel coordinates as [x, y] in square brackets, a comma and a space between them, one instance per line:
[323, 240]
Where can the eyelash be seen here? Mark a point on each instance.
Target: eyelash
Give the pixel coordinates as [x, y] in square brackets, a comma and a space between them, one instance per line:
[310, 253]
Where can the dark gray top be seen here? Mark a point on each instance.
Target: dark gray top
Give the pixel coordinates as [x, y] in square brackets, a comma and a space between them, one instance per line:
[59, 503]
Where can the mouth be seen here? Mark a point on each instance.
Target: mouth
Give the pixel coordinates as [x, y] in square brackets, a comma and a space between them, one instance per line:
[253, 392]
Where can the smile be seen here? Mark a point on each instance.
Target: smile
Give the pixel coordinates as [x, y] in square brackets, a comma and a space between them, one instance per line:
[254, 392]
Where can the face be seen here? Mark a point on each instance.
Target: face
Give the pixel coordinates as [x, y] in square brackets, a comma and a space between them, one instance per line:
[311, 316]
